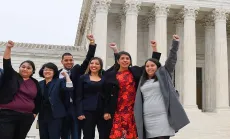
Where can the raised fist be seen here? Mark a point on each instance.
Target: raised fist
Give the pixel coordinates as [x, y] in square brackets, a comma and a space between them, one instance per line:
[153, 43]
[113, 46]
[176, 38]
[90, 37]
[10, 44]
[65, 74]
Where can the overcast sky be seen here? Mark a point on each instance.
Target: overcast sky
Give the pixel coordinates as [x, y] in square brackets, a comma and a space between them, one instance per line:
[39, 21]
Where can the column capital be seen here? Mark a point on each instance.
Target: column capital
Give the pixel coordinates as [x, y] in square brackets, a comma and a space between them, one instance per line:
[208, 22]
[151, 18]
[220, 14]
[179, 20]
[190, 12]
[102, 6]
[161, 9]
[132, 7]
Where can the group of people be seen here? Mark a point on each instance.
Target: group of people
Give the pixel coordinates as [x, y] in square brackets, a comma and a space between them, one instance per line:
[123, 102]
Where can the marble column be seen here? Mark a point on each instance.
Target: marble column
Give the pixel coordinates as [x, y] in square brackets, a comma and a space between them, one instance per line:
[161, 12]
[189, 55]
[122, 35]
[131, 9]
[179, 22]
[151, 24]
[209, 81]
[221, 60]
[100, 30]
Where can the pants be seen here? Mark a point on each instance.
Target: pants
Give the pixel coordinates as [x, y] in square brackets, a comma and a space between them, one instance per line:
[50, 129]
[93, 119]
[14, 125]
[70, 128]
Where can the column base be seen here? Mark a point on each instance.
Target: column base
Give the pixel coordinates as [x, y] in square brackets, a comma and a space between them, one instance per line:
[191, 108]
[222, 109]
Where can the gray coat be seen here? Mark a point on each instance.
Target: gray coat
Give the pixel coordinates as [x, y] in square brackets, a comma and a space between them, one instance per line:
[176, 114]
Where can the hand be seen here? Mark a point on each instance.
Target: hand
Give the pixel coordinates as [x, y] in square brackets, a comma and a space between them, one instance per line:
[82, 117]
[107, 116]
[90, 38]
[154, 45]
[113, 46]
[64, 74]
[10, 44]
[176, 37]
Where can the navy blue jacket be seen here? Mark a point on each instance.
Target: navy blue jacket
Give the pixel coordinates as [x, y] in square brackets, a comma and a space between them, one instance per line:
[90, 95]
[58, 96]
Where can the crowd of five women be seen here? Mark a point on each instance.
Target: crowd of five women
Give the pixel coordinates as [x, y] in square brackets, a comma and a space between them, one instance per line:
[123, 102]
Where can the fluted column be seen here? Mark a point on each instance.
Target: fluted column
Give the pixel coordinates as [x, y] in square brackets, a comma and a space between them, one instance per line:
[131, 9]
[100, 30]
[161, 12]
[179, 21]
[209, 101]
[122, 35]
[221, 60]
[151, 23]
[189, 63]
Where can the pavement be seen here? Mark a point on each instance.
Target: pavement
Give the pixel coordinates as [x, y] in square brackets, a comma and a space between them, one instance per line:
[203, 126]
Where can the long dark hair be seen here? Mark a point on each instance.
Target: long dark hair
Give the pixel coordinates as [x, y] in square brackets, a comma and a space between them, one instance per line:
[117, 66]
[101, 64]
[145, 74]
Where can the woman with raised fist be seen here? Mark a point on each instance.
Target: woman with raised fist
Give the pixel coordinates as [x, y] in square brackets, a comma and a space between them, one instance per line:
[120, 91]
[90, 98]
[158, 112]
[20, 98]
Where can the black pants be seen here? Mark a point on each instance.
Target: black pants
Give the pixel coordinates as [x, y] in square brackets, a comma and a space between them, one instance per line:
[50, 129]
[93, 119]
[14, 125]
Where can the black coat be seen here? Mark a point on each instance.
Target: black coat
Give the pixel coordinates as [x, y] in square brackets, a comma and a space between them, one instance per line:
[79, 70]
[112, 89]
[57, 88]
[11, 83]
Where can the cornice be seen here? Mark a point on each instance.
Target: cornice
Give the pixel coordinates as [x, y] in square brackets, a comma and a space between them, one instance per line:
[43, 50]
[86, 4]
[199, 3]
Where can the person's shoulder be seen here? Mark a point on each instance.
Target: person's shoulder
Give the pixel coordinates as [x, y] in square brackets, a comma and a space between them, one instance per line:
[84, 76]
[76, 66]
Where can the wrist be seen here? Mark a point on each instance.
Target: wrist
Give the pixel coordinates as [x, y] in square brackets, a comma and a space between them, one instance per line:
[92, 41]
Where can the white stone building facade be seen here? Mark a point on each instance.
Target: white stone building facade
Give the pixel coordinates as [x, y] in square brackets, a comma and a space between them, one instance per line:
[201, 74]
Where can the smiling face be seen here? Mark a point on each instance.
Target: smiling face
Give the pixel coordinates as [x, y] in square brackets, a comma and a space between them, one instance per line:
[95, 66]
[150, 68]
[26, 70]
[48, 73]
[67, 62]
[124, 61]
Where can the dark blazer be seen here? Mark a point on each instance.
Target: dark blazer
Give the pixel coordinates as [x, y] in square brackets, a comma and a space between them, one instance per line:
[57, 90]
[176, 114]
[90, 95]
[1, 77]
[111, 88]
[12, 81]
[79, 70]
